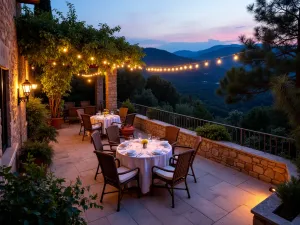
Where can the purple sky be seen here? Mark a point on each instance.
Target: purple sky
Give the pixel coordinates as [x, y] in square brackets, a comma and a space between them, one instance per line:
[169, 24]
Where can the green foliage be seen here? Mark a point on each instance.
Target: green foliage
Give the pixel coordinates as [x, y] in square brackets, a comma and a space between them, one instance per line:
[213, 132]
[39, 150]
[199, 111]
[36, 113]
[129, 105]
[38, 197]
[151, 114]
[184, 109]
[163, 90]
[54, 42]
[145, 97]
[43, 6]
[45, 133]
[166, 107]
[289, 193]
[128, 83]
[235, 118]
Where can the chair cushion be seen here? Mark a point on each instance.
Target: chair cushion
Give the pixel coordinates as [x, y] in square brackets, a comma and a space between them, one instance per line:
[127, 130]
[96, 126]
[126, 176]
[164, 174]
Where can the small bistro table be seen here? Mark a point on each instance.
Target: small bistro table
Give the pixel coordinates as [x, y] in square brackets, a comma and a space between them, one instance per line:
[106, 120]
[144, 159]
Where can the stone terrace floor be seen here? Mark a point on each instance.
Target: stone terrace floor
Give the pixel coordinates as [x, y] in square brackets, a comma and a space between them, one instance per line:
[222, 196]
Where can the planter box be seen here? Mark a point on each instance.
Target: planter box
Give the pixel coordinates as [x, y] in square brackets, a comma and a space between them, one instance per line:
[264, 213]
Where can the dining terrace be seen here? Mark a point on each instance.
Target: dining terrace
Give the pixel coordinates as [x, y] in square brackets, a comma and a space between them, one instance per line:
[221, 196]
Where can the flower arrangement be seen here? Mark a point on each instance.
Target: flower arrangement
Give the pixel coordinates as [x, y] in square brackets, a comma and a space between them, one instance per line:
[144, 141]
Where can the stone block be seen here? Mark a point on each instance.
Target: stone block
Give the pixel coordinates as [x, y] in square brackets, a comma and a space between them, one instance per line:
[248, 167]
[264, 178]
[230, 161]
[240, 165]
[279, 170]
[280, 165]
[258, 169]
[269, 173]
[264, 162]
[245, 158]
[279, 177]
[256, 160]
[272, 164]
[215, 152]
[253, 174]
[233, 154]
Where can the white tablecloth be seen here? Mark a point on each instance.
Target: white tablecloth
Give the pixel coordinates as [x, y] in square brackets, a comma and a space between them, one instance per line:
[145, 161]
[105, 120]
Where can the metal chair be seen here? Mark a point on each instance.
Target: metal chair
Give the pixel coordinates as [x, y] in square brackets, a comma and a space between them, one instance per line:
[116, 177]
[99, 146]
[196, 148]
[79, 113]
[90, 110]
[123, 113]
[173, 176]
[171, 135]
[85, 103]
[88, 126]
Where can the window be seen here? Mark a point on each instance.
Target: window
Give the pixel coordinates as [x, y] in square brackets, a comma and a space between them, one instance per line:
[3, 107]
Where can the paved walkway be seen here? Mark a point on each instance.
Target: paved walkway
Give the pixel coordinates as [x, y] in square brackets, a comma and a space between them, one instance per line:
[222, 196]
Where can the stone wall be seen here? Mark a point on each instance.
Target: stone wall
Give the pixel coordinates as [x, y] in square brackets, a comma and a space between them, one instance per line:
[111, 89]
[17, 72]
[228, 154]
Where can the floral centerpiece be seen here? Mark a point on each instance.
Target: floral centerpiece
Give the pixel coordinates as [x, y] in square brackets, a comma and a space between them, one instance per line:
[144, 142]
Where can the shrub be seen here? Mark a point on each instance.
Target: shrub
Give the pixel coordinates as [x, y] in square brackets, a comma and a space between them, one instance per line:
[37, 114]
[129, 105]
[184, 109]
[39, 150]
[151, 113]
[45, 133]
[213, 132]
[38, 197]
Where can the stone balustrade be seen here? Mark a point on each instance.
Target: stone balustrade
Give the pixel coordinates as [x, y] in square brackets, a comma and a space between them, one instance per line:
[263, 166]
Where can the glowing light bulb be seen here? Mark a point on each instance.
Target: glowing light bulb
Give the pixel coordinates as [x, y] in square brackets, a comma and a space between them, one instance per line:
[89, 80]
[206, 63]
[190, 67]
[165, 69]
[169, 69]
[235, 57]
[197, 66]
[79, 56]
[176, 69]
[32, 68]
[63, 64]
[122, 65]
[129, 66]
[181, 68]
[54, 63]
[65, 50]
[185, 67]
[92, 58]
[219, 61]
[131, 69]
[173, 69]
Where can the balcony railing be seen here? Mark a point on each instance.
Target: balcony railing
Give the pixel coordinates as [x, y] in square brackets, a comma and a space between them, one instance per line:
[265, 142]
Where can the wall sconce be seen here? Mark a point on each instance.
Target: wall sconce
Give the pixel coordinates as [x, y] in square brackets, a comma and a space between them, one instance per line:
[26, 86]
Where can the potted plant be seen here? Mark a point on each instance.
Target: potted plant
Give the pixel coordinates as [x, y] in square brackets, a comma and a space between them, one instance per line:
[41, 151]
[38, 197]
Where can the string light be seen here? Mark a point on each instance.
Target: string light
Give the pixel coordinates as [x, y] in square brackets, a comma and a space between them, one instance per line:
[181, 68]
[104, 62]
[235, 57]
[65, 50]
[89, 80]
[206, 63]
[79, 56]
[32, 68]
[197, 66]
[190, 67]
[185, 67]
[219, 61]
[54, 63]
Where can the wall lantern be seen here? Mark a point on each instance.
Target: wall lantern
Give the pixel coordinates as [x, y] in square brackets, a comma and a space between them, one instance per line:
[26, 86]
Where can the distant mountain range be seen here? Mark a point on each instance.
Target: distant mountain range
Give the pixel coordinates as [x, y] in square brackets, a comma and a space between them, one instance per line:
[203, 82]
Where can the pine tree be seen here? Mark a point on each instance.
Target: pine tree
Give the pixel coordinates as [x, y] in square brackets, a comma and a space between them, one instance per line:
[43, 6]
[271, 59]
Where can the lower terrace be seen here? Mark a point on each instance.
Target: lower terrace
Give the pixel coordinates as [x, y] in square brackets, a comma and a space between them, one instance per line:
[221, 196]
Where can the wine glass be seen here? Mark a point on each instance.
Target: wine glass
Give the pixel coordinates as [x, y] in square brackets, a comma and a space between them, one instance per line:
[149, 137]
[139, 135]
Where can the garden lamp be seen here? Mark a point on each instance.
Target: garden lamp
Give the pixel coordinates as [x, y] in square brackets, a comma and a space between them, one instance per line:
[26, 86]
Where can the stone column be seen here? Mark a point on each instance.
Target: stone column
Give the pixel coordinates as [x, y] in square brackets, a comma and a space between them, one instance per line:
[99, 93]
[111, 89]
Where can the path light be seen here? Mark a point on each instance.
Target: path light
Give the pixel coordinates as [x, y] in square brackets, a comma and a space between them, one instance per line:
[272, 189]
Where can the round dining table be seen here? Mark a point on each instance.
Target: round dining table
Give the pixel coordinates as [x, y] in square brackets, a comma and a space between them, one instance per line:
[157, 153]
[106, 120]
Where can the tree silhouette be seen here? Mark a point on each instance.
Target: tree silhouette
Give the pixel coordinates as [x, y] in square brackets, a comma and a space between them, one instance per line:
[43, 6]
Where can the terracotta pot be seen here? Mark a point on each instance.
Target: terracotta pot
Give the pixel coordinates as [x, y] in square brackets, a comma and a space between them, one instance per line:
[57, 122]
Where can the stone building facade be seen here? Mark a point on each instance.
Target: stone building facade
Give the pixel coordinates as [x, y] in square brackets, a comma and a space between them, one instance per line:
[14, 70]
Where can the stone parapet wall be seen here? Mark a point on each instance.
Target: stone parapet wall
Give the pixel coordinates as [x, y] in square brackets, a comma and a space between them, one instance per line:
[228, 154]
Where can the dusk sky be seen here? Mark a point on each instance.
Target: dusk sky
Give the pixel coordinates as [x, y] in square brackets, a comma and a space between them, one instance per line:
[169, 24]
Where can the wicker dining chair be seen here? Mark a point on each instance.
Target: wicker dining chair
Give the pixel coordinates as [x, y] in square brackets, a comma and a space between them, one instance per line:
[99, 146]
[90, 110]
[173, 176]
[68, 105]
[171, 135]
[123, 113]
[113, 136]
[79, 113]
[88, 126]
[117, 177]
[85, 103]
[196, 148]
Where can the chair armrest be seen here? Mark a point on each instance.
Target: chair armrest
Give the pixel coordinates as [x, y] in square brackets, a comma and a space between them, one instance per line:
[128, 171]
[181, 146]
[174, 144]
[97, 123]
[160, 168]
[119, 163]
[172, 158]
[116, 123]
[111, 143]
